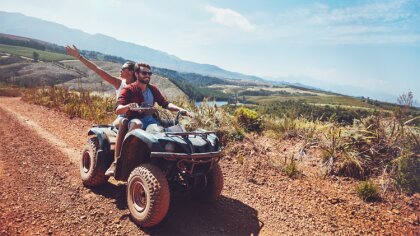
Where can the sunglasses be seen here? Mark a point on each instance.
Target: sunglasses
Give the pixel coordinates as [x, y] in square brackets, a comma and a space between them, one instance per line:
[124, 68]
[149, 73]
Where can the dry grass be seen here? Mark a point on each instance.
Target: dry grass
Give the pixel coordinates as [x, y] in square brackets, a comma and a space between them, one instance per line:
[373, 147]
[75, 104]
[8, 91]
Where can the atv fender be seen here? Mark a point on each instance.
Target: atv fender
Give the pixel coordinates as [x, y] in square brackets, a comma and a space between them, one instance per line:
[102, 137]
[104, 157]
[135, 150]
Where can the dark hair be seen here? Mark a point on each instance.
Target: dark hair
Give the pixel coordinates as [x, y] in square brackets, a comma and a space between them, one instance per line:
[128, 65]
[139, 66]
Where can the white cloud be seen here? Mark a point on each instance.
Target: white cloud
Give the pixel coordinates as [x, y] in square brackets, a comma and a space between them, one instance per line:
[382, 22]
[384, 12]
[230, 18]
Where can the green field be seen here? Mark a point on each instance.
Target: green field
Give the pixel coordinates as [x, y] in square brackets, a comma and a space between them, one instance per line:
[331, 100]
[28, 52]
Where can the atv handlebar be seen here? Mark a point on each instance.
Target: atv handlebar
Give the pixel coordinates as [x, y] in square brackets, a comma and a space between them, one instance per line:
[151, 110]
[143, 109]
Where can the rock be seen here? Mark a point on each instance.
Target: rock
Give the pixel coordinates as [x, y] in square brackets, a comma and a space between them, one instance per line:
[413, 218]
[116, 221]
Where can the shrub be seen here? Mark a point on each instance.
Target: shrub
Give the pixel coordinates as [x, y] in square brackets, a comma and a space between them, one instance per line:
[75, 104]
[367, 191]
[250, 120]
[407, 174]
[291, 168]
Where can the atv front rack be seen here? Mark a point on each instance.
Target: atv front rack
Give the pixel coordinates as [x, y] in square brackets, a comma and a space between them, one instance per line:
[189, 133]
[172, 155]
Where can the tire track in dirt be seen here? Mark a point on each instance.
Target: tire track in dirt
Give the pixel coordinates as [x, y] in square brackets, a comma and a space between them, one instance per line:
[38, 195]
[70, 152]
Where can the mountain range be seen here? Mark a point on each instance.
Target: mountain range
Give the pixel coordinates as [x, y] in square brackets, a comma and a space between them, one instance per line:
[26, 26]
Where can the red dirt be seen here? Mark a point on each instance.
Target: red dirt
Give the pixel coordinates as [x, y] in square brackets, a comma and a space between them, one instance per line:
[42, 192]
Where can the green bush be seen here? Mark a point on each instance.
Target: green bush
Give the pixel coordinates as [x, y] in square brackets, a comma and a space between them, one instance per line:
[249, 120]
[408, 173]
[367, 191]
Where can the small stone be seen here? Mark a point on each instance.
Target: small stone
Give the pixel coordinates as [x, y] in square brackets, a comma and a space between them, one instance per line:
[413, 218]
[116, 221]
[395, 211]
[83, 217]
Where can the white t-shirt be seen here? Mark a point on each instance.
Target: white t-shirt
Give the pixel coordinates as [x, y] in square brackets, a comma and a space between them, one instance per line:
[118, 91]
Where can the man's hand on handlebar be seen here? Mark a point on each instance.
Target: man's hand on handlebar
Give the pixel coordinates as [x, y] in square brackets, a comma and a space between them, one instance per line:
[184, 113]
[133, 105]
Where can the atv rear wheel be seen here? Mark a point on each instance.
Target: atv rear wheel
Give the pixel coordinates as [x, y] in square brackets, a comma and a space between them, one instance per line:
[147, 195]
[208, 187]
[90, 172]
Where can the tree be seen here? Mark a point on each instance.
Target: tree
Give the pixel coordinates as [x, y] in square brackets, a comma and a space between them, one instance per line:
[35, 55]
[406, 99]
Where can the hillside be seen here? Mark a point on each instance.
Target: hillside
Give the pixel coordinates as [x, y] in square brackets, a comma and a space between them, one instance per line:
[17, 67]
[90, 80]
[27, 73]
[19, 24]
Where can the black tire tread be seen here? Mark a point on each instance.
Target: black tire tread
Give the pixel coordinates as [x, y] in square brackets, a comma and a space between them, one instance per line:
[158, 188]
[97, 176]
[214, 186]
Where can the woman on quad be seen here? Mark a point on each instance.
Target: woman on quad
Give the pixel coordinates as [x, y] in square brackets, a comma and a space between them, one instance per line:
[126, 74]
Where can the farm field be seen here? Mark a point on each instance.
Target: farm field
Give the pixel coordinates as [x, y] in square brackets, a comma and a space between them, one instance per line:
[324, 100]
[28, 52]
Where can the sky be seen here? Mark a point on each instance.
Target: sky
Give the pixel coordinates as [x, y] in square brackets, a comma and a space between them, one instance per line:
[363, 48]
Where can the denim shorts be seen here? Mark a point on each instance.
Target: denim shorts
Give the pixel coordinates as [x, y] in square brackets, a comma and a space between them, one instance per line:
[146, 121]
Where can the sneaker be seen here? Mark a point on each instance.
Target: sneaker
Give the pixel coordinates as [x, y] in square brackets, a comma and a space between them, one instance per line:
[111, 169]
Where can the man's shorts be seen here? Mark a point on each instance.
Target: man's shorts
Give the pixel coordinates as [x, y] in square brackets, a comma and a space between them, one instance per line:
[117, 121]
[146, 121]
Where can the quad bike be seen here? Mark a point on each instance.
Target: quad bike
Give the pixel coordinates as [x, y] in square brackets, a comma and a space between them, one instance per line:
[154, 164]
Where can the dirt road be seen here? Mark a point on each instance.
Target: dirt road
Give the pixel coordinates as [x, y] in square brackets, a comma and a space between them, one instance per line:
[41, 193]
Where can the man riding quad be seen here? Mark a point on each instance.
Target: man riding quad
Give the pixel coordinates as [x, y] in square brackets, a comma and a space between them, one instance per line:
[141, 93]
[154, 163]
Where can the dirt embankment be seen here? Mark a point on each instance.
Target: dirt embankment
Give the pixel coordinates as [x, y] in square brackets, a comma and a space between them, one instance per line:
[42, 193]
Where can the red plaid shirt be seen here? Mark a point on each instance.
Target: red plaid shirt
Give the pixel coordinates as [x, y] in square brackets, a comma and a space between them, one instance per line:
[132, 93]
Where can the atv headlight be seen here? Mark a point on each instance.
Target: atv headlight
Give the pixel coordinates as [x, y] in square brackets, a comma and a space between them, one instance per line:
[170, 147]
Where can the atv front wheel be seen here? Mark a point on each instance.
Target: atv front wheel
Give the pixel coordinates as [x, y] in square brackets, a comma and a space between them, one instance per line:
[147, 195]
[90, 172]
[208, 187]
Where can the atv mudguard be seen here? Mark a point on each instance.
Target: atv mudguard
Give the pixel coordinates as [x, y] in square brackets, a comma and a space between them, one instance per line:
[135, 150]
[104, 154]
[101, 134]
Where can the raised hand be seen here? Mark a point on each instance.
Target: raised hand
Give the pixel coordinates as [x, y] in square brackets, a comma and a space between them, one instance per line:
[73, 51]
